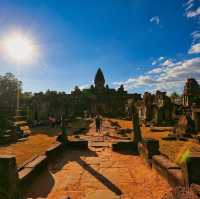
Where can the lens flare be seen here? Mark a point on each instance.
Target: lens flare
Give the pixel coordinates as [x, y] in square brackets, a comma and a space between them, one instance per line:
[19, 48]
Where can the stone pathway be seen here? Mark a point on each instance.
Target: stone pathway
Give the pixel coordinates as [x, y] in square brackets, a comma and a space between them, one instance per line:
[98, 173]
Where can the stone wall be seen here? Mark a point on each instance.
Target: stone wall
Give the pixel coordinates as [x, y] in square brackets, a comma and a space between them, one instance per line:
[188, 174]
[13, 180]
[8, 178]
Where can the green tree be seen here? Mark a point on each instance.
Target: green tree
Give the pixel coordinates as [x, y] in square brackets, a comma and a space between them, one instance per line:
[8, 96]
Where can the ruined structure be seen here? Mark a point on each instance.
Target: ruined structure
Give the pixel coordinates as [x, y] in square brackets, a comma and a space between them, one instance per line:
[191, 101]
[100, 98]
[159, 109]
[191, 93]
[155, 108]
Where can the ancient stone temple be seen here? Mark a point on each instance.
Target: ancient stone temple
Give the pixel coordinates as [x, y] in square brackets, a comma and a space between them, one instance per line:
[155, 108]
[99, 80]
[100, 98]
[191, 101]
[191, 93]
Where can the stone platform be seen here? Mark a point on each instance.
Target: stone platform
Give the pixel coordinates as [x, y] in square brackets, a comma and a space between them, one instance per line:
[96, 173]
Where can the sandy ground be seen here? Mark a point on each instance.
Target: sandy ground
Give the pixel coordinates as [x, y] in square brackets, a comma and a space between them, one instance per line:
[98, 173]
[173, 149]
[42, 139]
[36, 144]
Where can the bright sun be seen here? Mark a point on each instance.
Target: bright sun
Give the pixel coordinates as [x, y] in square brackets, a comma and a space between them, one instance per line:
[19, 48]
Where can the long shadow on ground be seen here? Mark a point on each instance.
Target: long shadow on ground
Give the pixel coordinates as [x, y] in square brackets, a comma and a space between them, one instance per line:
[43, 188]
[100, 177]
[43, 185]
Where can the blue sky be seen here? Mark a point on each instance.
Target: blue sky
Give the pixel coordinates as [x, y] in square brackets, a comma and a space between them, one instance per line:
[144, 44]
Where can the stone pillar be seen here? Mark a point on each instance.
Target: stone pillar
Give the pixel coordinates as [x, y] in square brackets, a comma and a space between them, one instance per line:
[191, 168]
[8, 177]
[136, 125]
[151, 147]
[196, 118]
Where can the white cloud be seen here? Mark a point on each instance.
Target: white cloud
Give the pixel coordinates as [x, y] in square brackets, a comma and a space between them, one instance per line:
[167, 62]
[160, 58]
[195, 49]
[155, 19]
[140, 81]
[154, 63]
[193, 13]
[189, 2]
[189, 6]
[81, 87]
[169, 78]
[157, 61]
[195, 35]
[155, 71]
[181, 70]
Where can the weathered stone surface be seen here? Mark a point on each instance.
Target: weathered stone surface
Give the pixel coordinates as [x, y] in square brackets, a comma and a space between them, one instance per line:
[164, 162]
[196, 117]
[191, 169]
[24, 173]
[168, 169]
[180, 192]
[38, 162]
[99, 173]
[185, 125]
[151, 147]
[8, 177]
[191, 92]
[196, 189]
[125, 146]
[77, 144]
[175, 177]
[54, 150]
[80, 174]
[31, 170]
[99, 194]
[155, 109]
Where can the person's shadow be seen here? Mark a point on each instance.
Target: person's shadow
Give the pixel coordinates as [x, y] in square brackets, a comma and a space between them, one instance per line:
[76, 156]
[43, 185]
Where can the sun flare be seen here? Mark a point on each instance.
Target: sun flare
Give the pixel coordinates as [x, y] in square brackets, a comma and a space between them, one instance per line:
[19, 48]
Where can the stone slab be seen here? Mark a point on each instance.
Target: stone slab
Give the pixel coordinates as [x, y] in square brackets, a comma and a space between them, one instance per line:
[37, 162]
[54, 150]
[175, 177]
[125, 146]
[77, 144]
[191, 168]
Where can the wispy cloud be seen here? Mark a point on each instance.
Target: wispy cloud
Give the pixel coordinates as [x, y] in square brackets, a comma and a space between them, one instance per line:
[195, 35]
[195, 49]
[169, 78]
[167, 62]
[84, 86]
[189, 4]
[193, 13]
[155, 19]
[169, 75]
[156, 61]
[190, 10]
[143, 80]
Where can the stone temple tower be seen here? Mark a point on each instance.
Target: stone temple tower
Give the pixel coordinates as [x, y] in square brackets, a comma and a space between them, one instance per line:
[99, 79]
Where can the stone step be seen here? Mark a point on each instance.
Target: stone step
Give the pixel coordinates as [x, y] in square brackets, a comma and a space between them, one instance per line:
[99, 144]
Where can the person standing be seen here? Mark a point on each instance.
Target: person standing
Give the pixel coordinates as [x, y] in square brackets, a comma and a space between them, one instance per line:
[98, 122]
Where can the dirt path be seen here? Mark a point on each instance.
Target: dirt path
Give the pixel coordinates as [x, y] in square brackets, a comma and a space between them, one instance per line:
[98, 173]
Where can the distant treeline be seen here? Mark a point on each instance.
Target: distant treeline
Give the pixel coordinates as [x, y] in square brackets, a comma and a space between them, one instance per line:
[34, 106]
